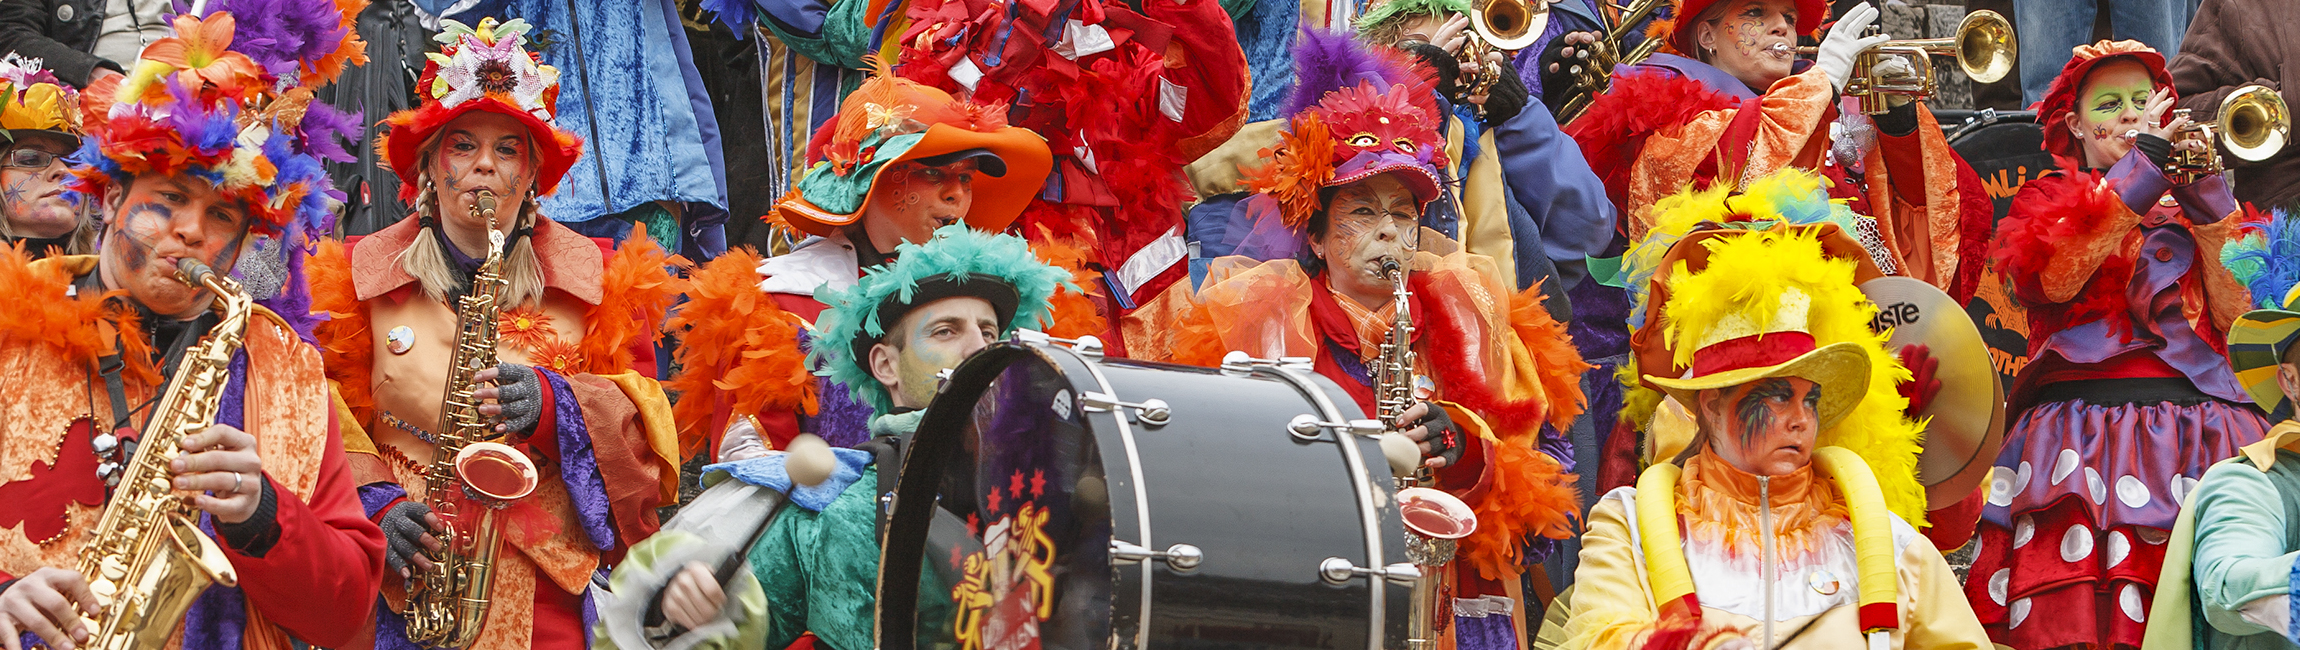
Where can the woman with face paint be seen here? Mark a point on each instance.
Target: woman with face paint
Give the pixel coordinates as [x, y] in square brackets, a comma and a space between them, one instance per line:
[195, 157]
[1725, 101]
[39, 127]
[2127, 395]
[575, 337]
[1342, 199]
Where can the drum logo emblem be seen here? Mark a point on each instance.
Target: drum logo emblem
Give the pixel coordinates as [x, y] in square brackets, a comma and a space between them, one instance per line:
[1007, 588]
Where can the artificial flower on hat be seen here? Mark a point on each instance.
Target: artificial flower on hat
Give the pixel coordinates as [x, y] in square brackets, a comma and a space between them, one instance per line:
[482, 68]
[32, 99]
[1357, 111]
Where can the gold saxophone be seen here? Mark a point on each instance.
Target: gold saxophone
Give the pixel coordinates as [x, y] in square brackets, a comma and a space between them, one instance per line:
[1433, 518]
[447, 605]
[148, 559]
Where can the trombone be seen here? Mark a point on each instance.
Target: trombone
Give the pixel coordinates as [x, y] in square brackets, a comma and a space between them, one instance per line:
[1594, 74]
[1984, 47]
[2254, 123]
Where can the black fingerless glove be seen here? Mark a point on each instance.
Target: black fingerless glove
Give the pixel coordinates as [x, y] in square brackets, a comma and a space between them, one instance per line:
[1446, 438]
[1557, 87]
[1448, 68]
[1507, 98]
[522, 398]
[255, 536]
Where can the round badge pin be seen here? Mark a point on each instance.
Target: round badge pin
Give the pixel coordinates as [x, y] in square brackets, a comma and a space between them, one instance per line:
[1824, 582]
[400, 339]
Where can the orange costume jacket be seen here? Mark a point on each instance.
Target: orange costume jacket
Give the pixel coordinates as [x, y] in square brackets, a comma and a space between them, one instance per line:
[604, 444]
[312, 581]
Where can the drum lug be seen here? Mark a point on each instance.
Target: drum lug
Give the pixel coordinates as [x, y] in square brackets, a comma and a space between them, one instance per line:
[1153, 412]
[1338, 571]
[1088, 346]
[1237, 362]
[1308, 427]
[1182, 558]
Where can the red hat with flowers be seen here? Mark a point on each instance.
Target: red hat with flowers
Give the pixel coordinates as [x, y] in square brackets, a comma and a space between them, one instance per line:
[2060, 99]
[1358, 112]
[487, 68]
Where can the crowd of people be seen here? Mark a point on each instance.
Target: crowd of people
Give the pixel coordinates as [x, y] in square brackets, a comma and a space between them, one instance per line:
[1614, 292]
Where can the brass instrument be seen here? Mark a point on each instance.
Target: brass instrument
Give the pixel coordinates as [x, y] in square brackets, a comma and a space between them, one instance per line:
[1595, 73]
[1498, 25]
[1984, 47]
[447, 605]
[148, 560]
[2253, 124]
[1433, 518]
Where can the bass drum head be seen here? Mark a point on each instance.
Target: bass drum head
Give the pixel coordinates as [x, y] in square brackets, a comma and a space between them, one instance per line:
[1016, 548]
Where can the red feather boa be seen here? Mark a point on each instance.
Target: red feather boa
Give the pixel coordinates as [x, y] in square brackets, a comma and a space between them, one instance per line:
[1640, 103]
[2047, 212]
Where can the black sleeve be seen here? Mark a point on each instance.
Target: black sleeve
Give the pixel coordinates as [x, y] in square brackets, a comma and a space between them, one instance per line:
[255, 536]
[2158, 150]
[25, 30]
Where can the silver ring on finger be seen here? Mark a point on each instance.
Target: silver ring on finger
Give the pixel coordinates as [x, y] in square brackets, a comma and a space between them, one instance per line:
[237, 478]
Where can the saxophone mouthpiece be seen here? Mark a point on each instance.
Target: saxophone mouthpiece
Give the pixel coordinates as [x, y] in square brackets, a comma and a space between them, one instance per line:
[486, 203]
[1390, 266]
[193, 272]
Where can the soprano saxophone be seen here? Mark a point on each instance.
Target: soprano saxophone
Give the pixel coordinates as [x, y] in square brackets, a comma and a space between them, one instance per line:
[1433, 519]
[148, 560]
[470, 476]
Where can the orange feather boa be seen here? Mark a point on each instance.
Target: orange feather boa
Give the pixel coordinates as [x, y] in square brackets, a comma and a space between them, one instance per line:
[737, 348]
[39, 316]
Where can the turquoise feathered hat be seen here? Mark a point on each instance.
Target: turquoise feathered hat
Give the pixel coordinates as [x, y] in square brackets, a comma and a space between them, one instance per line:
[2267, 260]
[958, 261]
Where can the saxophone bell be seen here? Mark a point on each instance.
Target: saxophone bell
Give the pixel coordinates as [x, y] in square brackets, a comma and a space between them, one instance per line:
[496, 471]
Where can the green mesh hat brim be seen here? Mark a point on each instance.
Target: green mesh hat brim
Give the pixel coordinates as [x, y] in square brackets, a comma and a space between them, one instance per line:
[1386, 11]
[2256, 344]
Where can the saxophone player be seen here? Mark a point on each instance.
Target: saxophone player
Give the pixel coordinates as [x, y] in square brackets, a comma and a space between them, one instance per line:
[1329, 214]
[89, 342]
[575, 330]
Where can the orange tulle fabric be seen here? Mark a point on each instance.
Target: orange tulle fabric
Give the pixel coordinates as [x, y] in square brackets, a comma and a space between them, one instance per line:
[1719, 504]
[738, 349]
[346, 334]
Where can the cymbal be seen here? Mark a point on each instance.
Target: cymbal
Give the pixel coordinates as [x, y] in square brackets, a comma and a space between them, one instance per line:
[1968, 415]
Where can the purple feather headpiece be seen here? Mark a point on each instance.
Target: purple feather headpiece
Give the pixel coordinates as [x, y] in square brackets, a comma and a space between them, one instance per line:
[1327, 61]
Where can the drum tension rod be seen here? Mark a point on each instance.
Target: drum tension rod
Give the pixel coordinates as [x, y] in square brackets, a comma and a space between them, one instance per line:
[1153, 412]
[1182, 558]
[1309, 427]
[1238, 362]
[1088, 345]
[1337, 571]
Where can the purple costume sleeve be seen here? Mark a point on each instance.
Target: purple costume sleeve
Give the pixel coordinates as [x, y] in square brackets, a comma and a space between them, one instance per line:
[578, 468]
[2140, 183]
[374, 496]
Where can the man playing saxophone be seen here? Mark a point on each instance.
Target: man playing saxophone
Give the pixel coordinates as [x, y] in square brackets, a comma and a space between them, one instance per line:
[239, 456]
[574, 329]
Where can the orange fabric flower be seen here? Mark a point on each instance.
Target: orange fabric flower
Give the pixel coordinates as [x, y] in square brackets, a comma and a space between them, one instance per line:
[525, 327]
[198, 53]
[558, 356]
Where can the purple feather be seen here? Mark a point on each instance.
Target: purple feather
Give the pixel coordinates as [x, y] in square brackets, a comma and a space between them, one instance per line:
[282, 35]
[737, 15]
[324, 129]
[1328, 61]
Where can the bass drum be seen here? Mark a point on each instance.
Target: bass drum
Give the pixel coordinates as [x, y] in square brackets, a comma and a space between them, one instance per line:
[1055, 499]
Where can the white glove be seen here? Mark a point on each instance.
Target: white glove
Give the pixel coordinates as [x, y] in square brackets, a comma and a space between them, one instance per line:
[1845, 43]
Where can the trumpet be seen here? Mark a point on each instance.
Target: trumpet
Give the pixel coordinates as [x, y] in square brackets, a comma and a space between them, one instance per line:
[1594, 74]
[2254, 123]
[1984, 47]
[1509, 25]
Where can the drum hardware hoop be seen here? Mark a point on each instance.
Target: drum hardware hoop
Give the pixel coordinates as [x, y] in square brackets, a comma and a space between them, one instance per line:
[1181, 558]
[1238, 362]
[1134, 470]
[1153, 412]
[1088, 346]
[1307, 427]
[1339, 571]
[1298, 375]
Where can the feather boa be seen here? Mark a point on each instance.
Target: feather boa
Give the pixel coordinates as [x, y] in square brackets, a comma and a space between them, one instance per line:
[1529, 496]
[735, 346]
[2047, 212]
[2267, 256]
[1979, 220]
[1639, 103]
[636, 288]
[345, 338]
[1075, 313]
[40, 314]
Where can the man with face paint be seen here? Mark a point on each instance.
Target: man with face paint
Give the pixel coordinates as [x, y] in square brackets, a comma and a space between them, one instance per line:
[899, 161]
[1725, 101]
[1764, 532]
[576, 327]
[816, 554]
[2127, 384]
[39, 127]
[90, 342]
[1341, 199]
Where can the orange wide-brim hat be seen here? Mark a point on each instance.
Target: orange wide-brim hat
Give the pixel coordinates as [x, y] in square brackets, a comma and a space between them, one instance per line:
[998, 200]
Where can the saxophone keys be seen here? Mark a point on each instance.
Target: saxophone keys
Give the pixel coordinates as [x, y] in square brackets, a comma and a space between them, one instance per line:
[104, 588]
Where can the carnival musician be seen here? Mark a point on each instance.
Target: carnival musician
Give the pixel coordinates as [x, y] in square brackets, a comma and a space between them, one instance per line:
[2227, 579]
[1682, 117]
[1342, 199]
[899, 161]
[194, 158]
[576, 325]
[814, 550]
[40, 120]
[2127, 397]
[1767, 531]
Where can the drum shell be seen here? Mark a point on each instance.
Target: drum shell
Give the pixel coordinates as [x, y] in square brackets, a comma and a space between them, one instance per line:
[1222, 474]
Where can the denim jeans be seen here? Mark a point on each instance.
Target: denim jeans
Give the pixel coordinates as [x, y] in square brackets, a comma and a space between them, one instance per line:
[2050, 29]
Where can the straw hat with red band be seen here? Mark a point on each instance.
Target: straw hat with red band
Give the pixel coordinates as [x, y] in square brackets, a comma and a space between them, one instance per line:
[1739, 349]
[1676, 26]
[486, 68]
[2060, 99]
[890, 120]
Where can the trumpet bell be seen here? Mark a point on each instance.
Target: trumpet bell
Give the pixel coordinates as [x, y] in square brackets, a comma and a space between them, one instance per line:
[1435, 514]
[2254, 123]
[1986, 46]
[1509, 24]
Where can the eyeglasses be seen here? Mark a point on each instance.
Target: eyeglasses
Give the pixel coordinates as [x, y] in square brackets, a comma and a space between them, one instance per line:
[29, 159]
